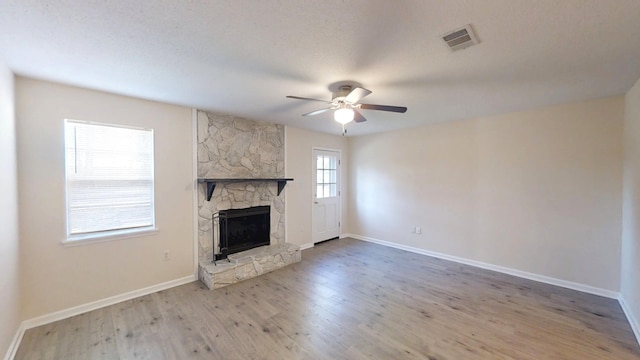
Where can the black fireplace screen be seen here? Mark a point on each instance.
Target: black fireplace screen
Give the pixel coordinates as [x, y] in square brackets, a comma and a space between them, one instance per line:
[243, 229]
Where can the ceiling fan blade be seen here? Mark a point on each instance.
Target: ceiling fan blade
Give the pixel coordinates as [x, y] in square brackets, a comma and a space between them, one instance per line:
[304, 98]
[398, 109]
[356, 95]
[316, 112]
[357, 117]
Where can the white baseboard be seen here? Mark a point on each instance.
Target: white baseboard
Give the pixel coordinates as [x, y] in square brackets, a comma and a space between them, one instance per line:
[13, 347]
[80, 309]
[523, 274]
[77, 310]
[633, 321]
[306, 246]
[310, 245]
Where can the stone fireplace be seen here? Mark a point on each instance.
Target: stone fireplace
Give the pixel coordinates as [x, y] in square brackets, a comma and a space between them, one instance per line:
[233, 148]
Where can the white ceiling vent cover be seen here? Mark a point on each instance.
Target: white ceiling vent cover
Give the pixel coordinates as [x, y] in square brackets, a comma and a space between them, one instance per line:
[461, 38]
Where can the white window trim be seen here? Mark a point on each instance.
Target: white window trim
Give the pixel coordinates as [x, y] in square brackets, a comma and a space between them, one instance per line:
[106, 236]
[115, 234]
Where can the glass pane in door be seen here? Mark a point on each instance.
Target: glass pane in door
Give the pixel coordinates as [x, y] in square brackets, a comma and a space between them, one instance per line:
[326, 178]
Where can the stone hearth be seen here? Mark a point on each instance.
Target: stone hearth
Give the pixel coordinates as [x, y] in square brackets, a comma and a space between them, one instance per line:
[247, 264]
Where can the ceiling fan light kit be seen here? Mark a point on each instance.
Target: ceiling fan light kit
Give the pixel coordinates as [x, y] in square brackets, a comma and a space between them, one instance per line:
[343, 115]
[345, 102]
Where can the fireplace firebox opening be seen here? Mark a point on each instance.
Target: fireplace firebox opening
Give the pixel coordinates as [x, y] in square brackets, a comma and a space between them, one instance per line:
[242, 229]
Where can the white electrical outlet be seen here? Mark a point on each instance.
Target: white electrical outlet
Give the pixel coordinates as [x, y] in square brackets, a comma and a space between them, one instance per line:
[418, 230]
[166, 255]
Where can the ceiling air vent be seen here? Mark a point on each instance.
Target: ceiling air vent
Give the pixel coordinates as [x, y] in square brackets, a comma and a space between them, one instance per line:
[460, 38]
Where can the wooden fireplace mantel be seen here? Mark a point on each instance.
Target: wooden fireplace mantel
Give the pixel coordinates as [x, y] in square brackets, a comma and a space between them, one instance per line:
[211, 183]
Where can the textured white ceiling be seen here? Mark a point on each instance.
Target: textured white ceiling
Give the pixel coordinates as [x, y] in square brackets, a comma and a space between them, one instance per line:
[242, 57]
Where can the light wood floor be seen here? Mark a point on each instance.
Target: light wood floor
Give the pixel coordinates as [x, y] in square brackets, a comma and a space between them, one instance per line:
[349, 299]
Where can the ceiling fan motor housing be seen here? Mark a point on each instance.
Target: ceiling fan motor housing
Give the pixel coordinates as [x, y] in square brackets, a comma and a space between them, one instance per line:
[342, 92]
[346, 103]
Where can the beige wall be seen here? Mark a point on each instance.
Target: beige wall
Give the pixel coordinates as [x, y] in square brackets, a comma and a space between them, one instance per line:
[9, 248]
[299, 166]
[537, 191]
[630, 273]
[57, 277]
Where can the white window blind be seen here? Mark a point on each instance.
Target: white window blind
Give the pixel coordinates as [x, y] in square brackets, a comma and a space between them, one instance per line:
[109, 178]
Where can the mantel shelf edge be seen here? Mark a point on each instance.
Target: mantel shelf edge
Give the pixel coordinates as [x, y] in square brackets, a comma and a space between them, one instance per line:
[211, 183]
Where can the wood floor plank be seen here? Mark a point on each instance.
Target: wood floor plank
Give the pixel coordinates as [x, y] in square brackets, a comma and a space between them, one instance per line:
[349, 299]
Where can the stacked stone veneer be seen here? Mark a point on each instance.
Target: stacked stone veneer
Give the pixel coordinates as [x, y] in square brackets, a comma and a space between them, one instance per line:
[232, 147]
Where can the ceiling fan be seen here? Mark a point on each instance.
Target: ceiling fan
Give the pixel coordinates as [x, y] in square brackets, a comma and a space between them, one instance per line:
[346, 102]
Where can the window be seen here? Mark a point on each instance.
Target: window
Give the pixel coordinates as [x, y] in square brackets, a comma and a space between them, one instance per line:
[326, 172]
[109, 179]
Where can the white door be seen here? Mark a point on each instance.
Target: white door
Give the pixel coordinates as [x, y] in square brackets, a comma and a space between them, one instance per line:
[326, 195]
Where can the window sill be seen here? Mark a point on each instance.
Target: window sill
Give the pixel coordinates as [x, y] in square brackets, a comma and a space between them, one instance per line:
[75, 240]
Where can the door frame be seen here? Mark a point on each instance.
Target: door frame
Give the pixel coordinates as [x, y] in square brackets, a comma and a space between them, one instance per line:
[313, 188]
